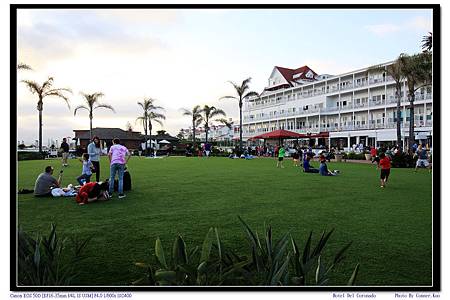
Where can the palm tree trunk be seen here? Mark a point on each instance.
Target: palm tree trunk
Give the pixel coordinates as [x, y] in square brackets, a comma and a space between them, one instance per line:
[412, 97]
[240, 125]
[40, 130]
[206, 133]
[150, 135]
[90, 128]
[193, 133]
[399, 131]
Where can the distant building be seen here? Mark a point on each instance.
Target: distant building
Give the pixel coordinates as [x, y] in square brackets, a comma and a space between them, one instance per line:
[130, 139]
[351, 108]
[216, 133]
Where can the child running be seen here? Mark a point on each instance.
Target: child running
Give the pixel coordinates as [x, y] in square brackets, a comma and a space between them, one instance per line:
[86, 172]
[385, 164]
[295, 157]
[281, 153]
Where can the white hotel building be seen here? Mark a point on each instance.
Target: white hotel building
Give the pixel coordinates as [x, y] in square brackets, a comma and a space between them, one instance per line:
[346, 109]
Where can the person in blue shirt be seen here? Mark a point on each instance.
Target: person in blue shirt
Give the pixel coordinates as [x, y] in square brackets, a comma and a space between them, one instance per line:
[422, 160]
[94, 150]
[86, 171]
[323, 169]
[307, 167]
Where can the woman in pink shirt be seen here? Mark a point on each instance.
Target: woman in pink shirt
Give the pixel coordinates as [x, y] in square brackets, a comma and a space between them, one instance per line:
[118, 157]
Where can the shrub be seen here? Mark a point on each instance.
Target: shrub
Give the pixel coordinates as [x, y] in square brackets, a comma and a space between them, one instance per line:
[353, 155]
[46, 261]
[23, 155]
[403, 160]
[267, 263]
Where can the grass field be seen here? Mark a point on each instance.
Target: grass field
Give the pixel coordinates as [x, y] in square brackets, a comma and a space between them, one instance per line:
[391, 228]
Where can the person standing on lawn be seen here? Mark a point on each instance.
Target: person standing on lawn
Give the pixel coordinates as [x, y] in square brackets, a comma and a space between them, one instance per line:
[422, 158]
[385, 164]
[65, 152]
[118, 157]
[281, 153]
[94, 151]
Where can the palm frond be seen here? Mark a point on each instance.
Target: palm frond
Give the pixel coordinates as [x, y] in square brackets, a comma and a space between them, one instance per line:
[228, 97]
[217, 112]
[58, 94]
[250, 94]
[186, 112]
[158, 121]
[34, 87]
[59, 90]
[153, 107]
[107, 106]
[78, 108]
[236, 87]
[198, 121]
[245, 83]
[225, 122]
[427, 42]
[47, 84]
[97, 95]
[154, 116]
[22, 66]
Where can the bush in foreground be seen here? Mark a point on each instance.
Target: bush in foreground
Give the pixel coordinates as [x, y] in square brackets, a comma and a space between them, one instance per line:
[48, 260]
[267, 262]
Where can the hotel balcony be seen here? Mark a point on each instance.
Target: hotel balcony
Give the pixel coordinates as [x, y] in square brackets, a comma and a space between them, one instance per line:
[332, 128]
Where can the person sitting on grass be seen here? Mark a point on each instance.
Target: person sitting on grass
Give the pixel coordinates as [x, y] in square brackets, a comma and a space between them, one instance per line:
[307, 167]
[93, 191]
[323, 168]
[45, 182]
[86, 171]
[385, 164]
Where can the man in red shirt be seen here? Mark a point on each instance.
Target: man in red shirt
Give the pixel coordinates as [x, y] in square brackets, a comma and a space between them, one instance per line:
[385, 164]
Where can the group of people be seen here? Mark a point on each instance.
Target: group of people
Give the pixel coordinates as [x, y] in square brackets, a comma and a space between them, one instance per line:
[202, 150]
[87, 191]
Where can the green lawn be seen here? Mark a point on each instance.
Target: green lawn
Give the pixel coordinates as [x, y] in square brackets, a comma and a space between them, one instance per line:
[391, 228]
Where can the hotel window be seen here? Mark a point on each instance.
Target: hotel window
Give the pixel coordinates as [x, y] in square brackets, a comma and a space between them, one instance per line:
[344, 103]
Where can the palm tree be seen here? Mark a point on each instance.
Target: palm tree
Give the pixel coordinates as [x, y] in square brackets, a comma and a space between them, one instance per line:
[22, 66]
[91, 105]
[417, 70]
[427, 42]
[196, 115]
[210, 112]
[394, 70]
[242, 93]
[150, 114]
[43, 91]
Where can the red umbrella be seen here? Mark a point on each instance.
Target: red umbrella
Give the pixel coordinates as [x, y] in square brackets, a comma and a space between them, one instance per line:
[280, 134]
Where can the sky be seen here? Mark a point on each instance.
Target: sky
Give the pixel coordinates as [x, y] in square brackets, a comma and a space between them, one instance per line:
[183, 58]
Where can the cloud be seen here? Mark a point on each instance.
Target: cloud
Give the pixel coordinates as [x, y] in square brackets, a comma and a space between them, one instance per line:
[58, 35]
[419, 23]
[383, 29]
[158, 16]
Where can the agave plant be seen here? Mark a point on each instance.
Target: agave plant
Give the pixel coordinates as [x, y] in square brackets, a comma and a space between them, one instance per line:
[267, 263]
[311, 261]
[206, 266]
[270, 260]
[43, 260]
